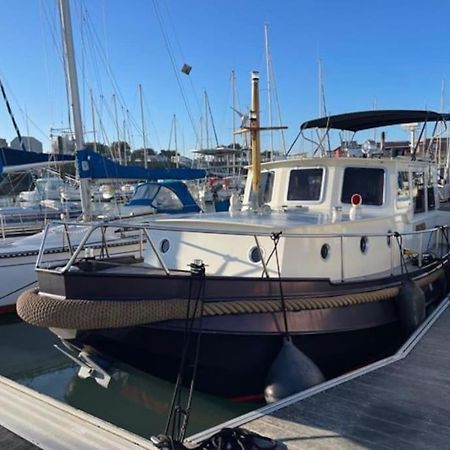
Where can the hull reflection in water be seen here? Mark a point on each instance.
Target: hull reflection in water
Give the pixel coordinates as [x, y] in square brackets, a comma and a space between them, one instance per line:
[134, 401]
[147, 400]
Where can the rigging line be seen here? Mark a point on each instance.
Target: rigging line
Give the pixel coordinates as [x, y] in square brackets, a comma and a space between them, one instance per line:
[154, 128]
[212, 120]
[46, 58]
[53, 29]
[85, 88]
[177, 42]
[177, 388]
[225, 111]
[58, 42]
[103, 56]
[15, 291]
[399, 239]
[201, 297]
[97, 44]
[276, 238]
[16, 102]
[277, 101]
[172, 60]
[11, 115]
[295, 141]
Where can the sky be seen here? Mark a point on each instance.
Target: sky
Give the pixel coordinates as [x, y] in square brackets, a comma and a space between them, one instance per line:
[380, 54]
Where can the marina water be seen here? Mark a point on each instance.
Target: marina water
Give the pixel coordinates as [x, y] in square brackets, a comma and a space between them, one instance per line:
[134, 401]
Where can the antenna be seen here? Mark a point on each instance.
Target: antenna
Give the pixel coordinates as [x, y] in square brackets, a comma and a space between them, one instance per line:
[411, 128]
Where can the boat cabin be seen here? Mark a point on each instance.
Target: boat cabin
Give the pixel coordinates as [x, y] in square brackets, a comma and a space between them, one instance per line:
[328, 185]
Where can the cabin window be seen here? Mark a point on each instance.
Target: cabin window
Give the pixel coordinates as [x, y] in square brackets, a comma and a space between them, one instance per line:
[368, 183]
[167, 199]
[145, 191]
[305, 184]
[266, 187]
[418, 191]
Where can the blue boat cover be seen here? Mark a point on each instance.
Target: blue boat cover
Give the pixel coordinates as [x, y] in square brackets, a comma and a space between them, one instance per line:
[143, 196]
[14, 157]
[95, 166]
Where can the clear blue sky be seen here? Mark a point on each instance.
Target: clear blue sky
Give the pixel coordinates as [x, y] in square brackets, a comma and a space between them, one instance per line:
[392, 52]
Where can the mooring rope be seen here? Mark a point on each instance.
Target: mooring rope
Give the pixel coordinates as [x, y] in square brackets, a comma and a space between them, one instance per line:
[276, 238]
[403, 266]
[178, 417]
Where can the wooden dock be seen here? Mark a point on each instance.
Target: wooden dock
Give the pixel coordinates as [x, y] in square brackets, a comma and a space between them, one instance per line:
[401, 402]
[29, 420]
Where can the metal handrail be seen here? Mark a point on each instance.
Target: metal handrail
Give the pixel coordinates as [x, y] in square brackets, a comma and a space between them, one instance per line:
[146, 228]
[79, 248]
[259, 233]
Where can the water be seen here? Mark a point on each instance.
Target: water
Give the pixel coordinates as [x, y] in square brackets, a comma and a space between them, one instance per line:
[133, 400]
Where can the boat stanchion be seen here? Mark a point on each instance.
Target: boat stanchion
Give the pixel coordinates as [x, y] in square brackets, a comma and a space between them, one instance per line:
[291, 372]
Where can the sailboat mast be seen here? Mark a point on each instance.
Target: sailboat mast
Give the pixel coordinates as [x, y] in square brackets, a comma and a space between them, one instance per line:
[206, 121]
[143, 127]
[93, 120]
[442, 107]
[255, 140]
[269, 87]
[233, 97]
[72, 81]
[116, 120]
[175, 139]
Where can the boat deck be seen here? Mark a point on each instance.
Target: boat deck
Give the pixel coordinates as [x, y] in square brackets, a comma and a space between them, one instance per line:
[402, 402]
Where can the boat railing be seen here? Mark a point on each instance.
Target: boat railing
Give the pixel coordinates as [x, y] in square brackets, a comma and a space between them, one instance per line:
[2, 226]
[143, 234]
[15, 224]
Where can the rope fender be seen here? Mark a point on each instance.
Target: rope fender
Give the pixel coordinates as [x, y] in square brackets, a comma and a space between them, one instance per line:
[48, 311]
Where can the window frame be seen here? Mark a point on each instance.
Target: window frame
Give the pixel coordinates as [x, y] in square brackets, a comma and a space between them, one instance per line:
[364, 205]
[322, 186]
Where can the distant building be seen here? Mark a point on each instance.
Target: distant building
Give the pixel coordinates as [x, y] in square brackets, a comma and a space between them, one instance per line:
[31, 144]
[3, 143]
[63, 144]
[222, 160]
[437, 146]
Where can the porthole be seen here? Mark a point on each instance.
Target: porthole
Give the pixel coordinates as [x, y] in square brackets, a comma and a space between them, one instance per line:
[325, 251]
[389, 238]
[364, 244]
[164, 245]
[255, 255]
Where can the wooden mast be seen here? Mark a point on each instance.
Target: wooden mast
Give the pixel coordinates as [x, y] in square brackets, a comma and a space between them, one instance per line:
[255, 140]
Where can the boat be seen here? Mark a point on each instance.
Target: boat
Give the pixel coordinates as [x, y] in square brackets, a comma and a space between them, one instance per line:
[163, 191]
[329, 263]
[50, 188]
[43, 202]
[18, 257]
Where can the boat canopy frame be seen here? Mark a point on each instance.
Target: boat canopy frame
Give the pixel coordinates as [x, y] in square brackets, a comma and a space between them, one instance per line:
[365, 120]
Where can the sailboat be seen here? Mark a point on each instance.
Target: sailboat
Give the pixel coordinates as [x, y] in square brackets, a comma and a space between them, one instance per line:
[18, 258]
[328, 264]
